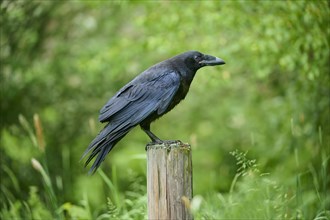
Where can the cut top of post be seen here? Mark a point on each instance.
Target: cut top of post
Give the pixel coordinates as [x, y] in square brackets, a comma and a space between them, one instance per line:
[168, 145]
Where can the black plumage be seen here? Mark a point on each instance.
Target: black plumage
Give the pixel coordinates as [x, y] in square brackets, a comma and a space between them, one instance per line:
[147, 97]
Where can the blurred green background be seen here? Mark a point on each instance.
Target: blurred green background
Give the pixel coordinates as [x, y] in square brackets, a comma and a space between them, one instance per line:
[259, 126]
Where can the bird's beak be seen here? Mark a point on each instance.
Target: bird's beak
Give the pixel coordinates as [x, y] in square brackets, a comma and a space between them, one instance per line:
[211, 61]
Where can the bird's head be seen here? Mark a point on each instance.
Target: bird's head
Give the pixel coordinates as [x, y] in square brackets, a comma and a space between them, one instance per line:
[197, 60]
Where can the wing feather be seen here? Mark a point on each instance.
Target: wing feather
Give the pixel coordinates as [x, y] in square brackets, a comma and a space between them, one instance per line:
[137, 100]
[131, 105]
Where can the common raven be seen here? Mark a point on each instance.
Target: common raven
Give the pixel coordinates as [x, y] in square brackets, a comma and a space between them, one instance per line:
[147, 97]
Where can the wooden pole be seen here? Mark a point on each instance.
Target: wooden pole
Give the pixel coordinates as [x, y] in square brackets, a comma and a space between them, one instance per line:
[169, 180]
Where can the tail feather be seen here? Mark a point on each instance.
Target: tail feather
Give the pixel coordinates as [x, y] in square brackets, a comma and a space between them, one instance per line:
[100, 157]
[103, 143]
[92, 155]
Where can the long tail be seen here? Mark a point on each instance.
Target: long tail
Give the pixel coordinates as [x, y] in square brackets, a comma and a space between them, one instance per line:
[103, 144]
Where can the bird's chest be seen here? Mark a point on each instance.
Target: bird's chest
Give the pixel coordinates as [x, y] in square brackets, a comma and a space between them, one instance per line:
[179, 95]
[183, 90]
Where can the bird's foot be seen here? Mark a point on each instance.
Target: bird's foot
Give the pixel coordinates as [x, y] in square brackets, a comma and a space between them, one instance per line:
[167, 143]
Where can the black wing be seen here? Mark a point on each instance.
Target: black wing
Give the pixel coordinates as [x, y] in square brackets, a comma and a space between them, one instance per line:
[131, 105]
[137, 100]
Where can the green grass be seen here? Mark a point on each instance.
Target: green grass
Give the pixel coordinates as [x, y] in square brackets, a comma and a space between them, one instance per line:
[255, 195]
[252, 195]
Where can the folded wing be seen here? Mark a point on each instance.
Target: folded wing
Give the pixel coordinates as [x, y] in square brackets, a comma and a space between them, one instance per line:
[131, 105]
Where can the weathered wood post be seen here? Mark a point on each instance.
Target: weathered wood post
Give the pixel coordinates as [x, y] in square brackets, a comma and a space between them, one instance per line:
[169, 180]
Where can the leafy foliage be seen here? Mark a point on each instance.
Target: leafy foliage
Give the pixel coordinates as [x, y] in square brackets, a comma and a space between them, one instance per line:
[62, 60]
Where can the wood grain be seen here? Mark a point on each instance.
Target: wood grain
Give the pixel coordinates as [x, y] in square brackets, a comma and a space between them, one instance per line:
[169, 180]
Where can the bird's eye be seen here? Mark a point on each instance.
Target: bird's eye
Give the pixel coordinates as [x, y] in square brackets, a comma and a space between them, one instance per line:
[198, 57]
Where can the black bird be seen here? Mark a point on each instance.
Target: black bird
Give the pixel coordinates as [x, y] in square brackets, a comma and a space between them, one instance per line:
[147, 97]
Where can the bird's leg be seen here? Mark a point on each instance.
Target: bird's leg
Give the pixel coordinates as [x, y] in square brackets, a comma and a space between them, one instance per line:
[152, 136]
[155, 139]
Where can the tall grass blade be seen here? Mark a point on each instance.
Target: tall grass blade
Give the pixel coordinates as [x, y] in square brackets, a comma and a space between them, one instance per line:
[48, 186]
[113, 189]
[25, 124]
[39, 133]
